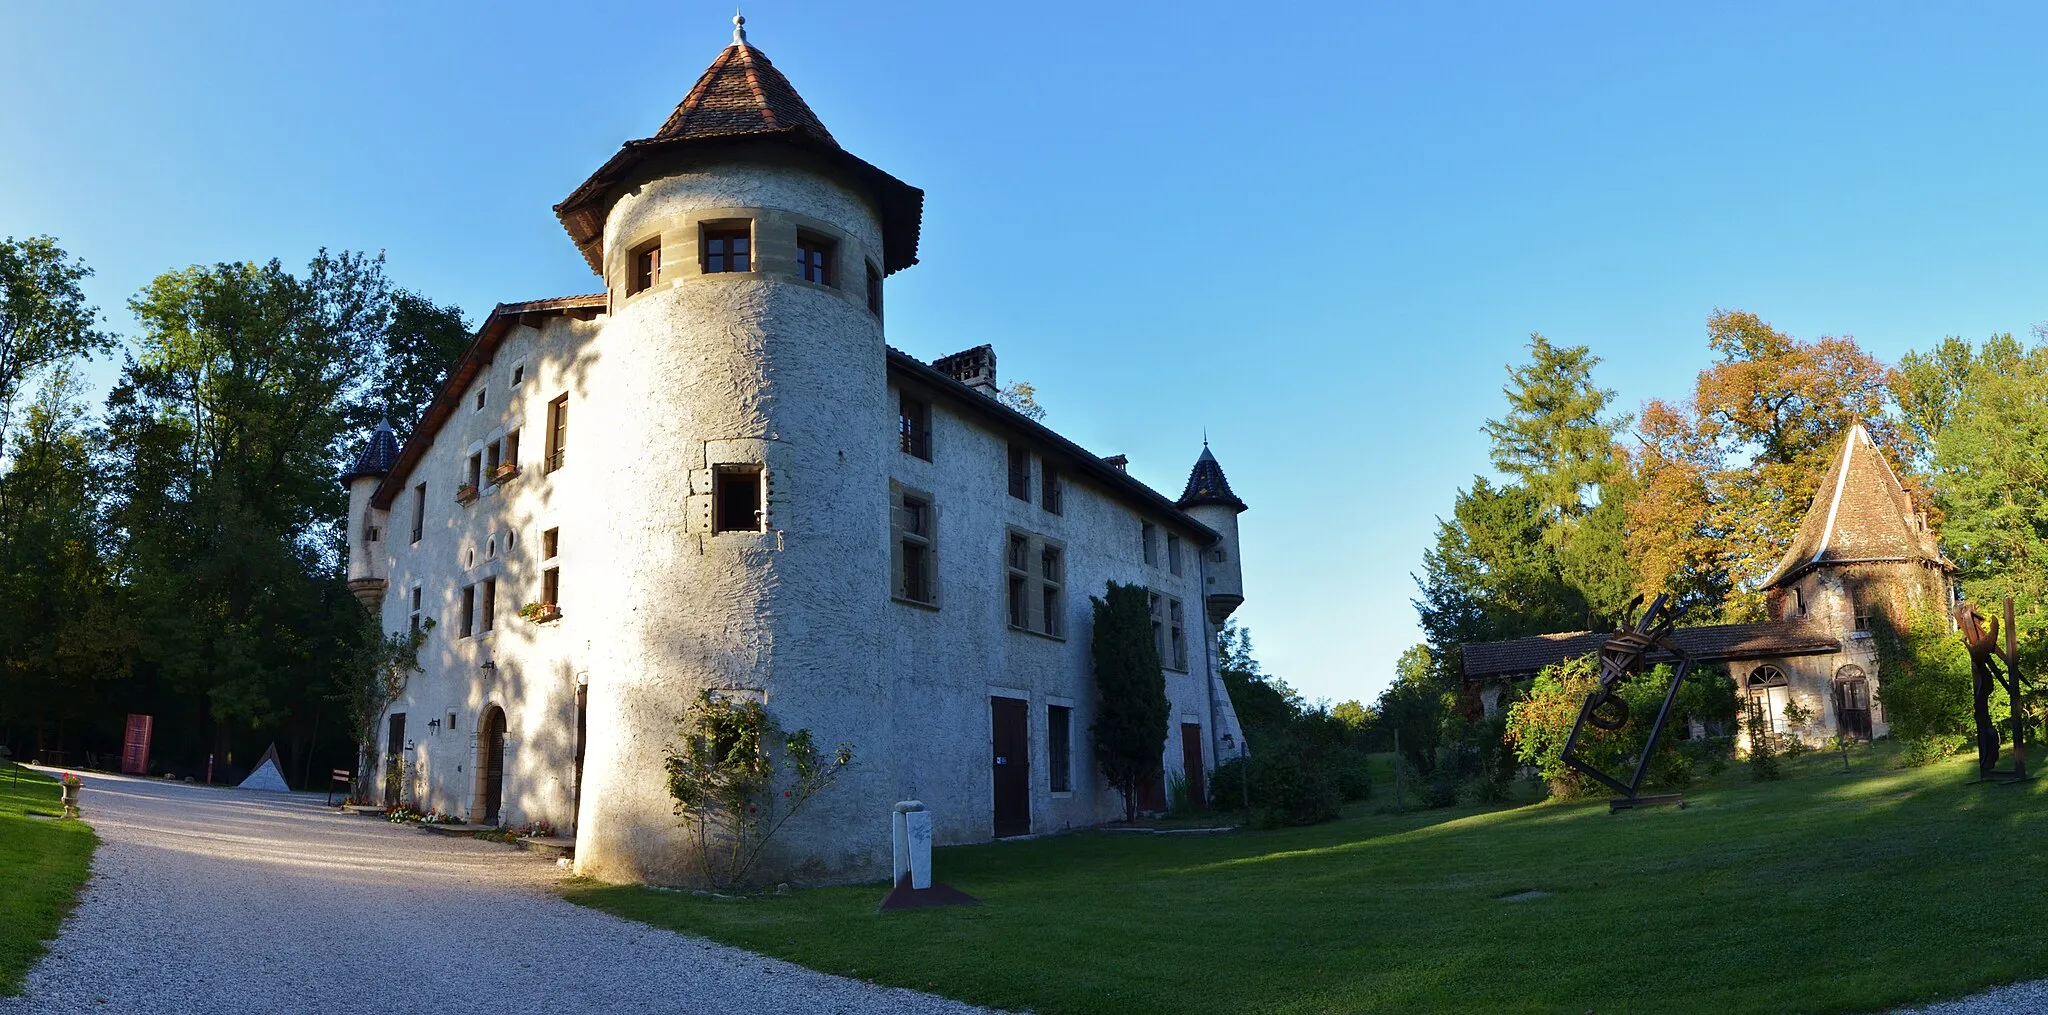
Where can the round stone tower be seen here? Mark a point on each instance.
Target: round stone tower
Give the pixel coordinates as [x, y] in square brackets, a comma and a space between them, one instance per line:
[1209, 500]
[367, 553]
[732, 428]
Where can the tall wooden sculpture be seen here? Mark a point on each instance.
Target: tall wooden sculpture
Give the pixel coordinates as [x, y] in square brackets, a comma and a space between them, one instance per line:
[1989, 663]
[1622, 659]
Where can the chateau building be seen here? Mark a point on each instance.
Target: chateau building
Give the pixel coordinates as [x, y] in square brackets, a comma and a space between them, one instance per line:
[715, 475]
[1862, 552]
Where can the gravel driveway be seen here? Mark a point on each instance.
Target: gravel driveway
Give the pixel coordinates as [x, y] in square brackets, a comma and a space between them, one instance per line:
[206, 900]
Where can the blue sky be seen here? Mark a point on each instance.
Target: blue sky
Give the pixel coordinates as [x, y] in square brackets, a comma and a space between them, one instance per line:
[1319, 230]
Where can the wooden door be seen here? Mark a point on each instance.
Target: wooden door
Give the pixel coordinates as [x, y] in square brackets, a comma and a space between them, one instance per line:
[1191, 763]
[1010, 720]
[492, 738]
[394, 753]
[1852, 708]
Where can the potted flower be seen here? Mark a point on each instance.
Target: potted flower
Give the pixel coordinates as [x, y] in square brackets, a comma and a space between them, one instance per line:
[505, 471]
[540, 613]
[72, 785]
[466, 492]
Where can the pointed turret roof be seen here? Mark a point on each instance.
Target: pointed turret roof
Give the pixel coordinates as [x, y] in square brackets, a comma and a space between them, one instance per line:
[1859, 515]
[1207, 484]
[742, 93]
[378, 454]
[741, 106]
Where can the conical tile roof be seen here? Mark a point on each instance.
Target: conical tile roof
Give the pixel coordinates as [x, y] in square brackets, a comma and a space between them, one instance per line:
[742, 93]
[1208, 485]
[377, 457]
[740, 104]
[1860, 514]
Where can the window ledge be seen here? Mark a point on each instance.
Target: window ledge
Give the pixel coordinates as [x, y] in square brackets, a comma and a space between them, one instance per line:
[1014, 629]
[1059, 794]
[1859, 634]
[933, 607]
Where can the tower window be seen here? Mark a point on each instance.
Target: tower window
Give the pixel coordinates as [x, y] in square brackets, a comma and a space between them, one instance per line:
[727, 247]
[874, 290]
[914, 427]
[646, 267]
[1052, 575]
[916, 531]
[415, 609]
[736, 499]
[1020, 582]
[1059, 739]
[814, 259]
[419, 511]
[558, 432]
[1020, 473]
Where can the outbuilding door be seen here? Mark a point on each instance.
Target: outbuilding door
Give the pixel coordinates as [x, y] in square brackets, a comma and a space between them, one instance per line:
[1852, 702]
[1010, 720]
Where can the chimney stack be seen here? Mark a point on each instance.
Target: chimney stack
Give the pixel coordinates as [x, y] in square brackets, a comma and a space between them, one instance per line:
[975, 368]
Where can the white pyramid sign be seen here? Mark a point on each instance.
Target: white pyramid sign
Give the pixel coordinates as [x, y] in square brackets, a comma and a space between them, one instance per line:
[267, 777]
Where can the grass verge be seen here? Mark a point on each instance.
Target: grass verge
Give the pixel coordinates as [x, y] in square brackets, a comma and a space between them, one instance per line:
[42, 866]
[1819, 893]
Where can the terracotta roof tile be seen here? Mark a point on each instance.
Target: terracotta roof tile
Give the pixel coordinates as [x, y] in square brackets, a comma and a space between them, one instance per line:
[741, 93]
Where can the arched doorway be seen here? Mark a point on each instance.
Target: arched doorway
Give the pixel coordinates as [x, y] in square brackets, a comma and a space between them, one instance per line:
[1852, 702]
[490, 764]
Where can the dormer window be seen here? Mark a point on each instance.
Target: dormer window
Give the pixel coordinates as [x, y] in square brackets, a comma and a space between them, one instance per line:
[728, 246]
[814, 258]
[645, 267]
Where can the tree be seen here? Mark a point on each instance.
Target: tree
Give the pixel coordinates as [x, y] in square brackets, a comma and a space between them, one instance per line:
[419, 344]
[44, 318]
[1725, 481]
[1023, 397]
[1556, 439]
[383, 666]
[1414, 706]
[1131, 709]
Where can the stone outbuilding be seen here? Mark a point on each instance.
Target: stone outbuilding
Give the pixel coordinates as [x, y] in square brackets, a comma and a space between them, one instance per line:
[1863, 552]
[715, 475]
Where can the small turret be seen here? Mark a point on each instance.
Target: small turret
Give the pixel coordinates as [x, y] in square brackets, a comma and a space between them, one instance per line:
[1208, 498]
[366, 550]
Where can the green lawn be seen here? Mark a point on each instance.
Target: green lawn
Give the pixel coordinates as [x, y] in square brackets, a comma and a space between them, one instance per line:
[42, 866]
[1819, 893]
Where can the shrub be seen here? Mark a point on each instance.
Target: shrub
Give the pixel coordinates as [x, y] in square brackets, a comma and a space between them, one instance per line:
[1763, 750]
[1930, 748]
[1293, 784]
[737, 778]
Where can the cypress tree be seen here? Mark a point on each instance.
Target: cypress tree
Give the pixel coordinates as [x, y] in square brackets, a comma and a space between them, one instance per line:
[1131, 710]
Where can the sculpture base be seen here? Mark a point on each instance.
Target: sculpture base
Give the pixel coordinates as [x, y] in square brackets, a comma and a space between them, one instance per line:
[939, 894]
[1619, 804]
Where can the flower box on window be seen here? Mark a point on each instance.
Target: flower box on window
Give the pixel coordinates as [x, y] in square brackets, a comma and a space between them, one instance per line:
[541, 613]
[465, 493]
[505, 473]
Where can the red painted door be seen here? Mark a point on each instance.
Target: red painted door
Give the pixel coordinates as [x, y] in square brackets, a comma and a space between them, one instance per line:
[1009, 718]
[1191, 762]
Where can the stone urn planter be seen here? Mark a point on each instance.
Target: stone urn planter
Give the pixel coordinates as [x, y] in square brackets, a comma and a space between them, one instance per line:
[72, 786]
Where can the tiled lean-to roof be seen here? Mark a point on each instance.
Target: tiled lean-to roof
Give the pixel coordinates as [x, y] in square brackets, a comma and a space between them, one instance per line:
[1860, 514]
[1718, 643]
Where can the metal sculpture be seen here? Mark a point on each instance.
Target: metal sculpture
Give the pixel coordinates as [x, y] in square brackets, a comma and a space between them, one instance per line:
[1623, 658]
[1989, 663]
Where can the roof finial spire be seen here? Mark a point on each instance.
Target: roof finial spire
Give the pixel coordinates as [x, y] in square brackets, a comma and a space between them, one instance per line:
[739, 28]
[1205, 435]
